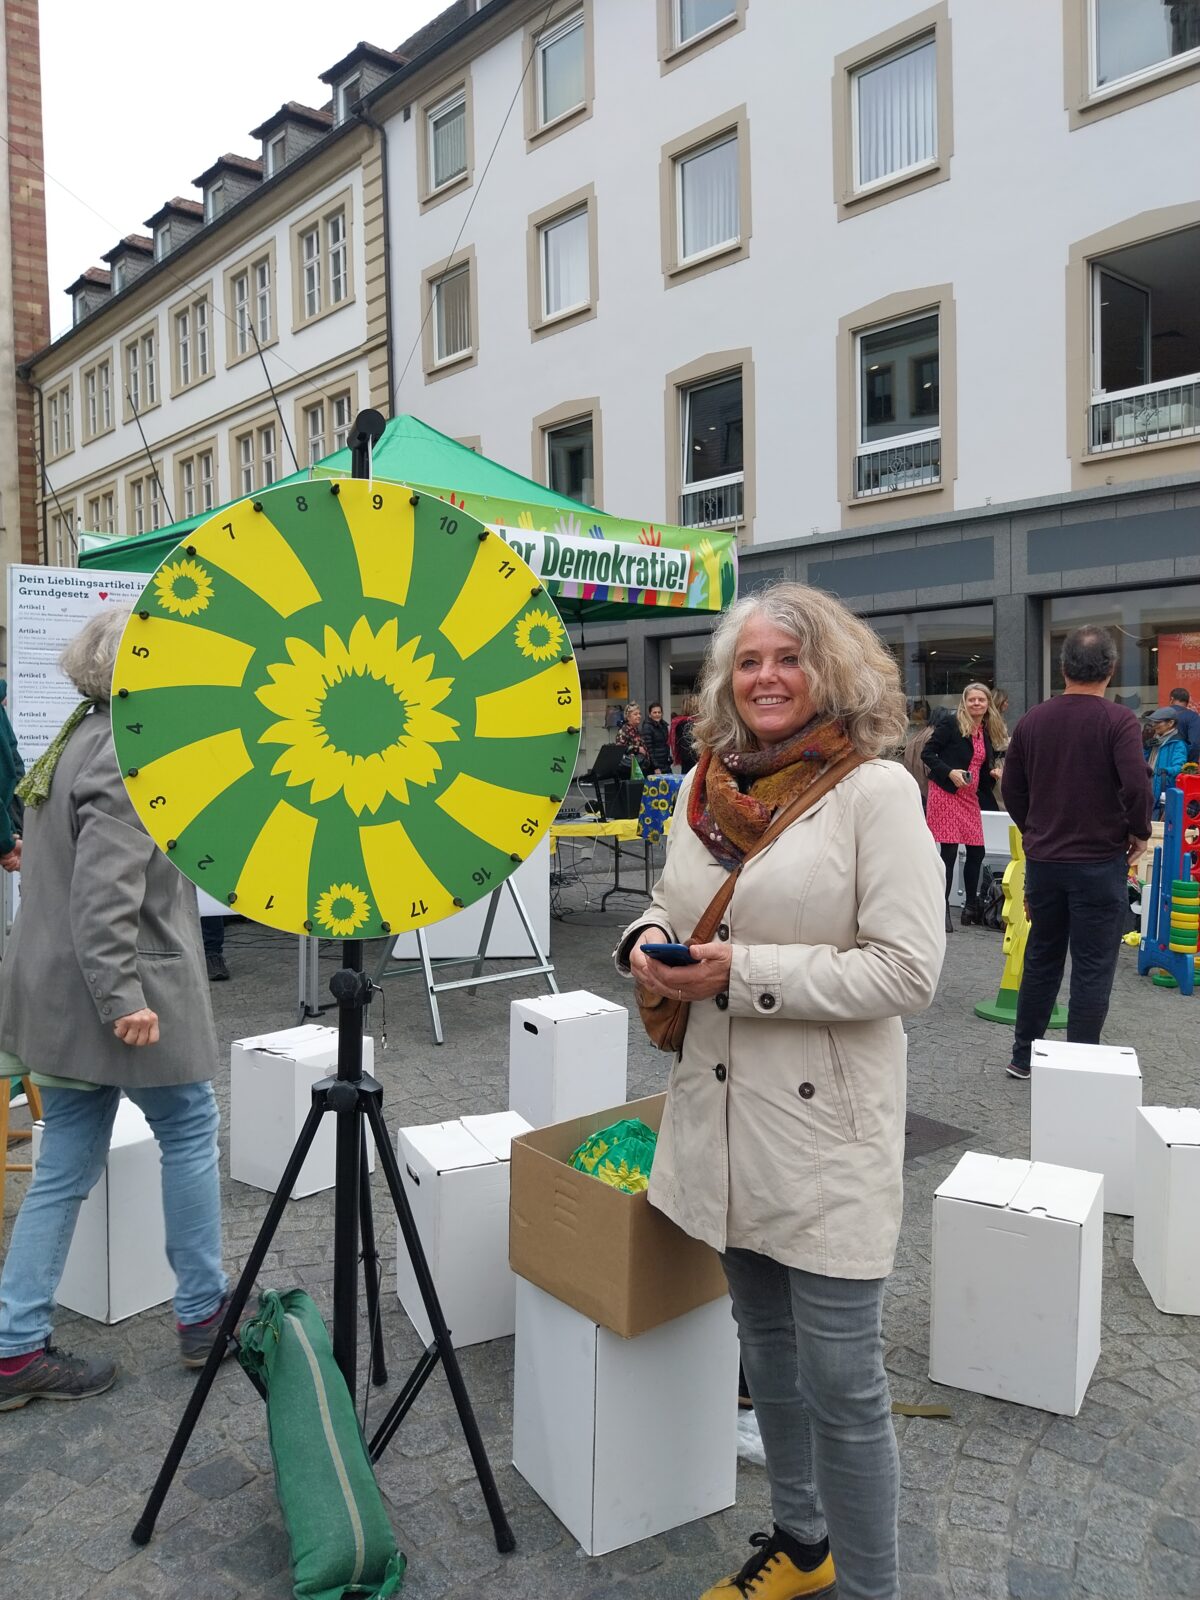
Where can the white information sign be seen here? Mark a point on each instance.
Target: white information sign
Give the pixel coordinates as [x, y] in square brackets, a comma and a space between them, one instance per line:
[47, 606]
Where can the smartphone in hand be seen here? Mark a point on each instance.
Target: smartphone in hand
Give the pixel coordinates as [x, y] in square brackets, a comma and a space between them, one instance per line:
[671, 955]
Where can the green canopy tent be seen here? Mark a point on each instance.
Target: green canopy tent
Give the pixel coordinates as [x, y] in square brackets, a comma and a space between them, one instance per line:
[596, 568]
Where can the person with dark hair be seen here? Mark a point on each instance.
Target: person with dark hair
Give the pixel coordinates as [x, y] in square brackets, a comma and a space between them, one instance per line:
[1167, 755]
[656, 733]
[1076, 785]
[1187, 722]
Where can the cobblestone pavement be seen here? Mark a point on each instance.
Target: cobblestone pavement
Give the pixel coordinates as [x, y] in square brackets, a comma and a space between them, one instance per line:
[999, 1501]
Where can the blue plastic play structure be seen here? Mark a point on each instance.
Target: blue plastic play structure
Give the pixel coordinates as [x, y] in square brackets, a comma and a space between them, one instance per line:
[1172, 859]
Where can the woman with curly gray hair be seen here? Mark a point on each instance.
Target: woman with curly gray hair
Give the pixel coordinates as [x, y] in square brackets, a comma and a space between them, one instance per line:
[783, 1134]
[103, 992]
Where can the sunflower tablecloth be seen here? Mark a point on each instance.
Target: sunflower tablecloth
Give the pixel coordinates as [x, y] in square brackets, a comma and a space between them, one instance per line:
[658, 804]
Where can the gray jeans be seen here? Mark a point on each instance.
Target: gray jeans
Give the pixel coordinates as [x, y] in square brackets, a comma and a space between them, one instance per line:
[812, 1353]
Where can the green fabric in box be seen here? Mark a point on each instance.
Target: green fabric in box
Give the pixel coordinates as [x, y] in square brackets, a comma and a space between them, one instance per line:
[341, 1540]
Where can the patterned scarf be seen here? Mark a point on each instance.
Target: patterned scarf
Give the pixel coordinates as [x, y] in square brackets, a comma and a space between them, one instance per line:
[729, 816]
[34, 787]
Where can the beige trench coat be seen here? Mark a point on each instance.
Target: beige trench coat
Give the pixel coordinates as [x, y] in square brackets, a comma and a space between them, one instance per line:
[784, 1126]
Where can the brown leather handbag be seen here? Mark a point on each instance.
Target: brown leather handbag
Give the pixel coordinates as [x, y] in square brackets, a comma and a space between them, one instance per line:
[665, 1020]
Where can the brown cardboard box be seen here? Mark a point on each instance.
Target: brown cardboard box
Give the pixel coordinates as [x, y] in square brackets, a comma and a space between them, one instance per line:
[610, 1255]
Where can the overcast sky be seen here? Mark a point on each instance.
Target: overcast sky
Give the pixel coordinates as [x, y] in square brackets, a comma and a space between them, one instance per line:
[138, 98]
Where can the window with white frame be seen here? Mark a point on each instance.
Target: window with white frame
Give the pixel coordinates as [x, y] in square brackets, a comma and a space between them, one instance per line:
[713, 463]
[141, 377]
[196, 483]
[145, 504]
[335, 244]
[707, 203]
[62, 537]
[341, 417]
[192, 353]
[214, 200]
[446, 140]
[276, 154]
[257, 458]
[691, 18]
[349, 92]
[570, 460]
[451, 314]
[898, 406]
[894, 113]
[310, 257]
[161, 238]
[97, 399]
[58, 421]
[1134, 40]
[241, 313]
[565, 264]
[560, 70]
[314, 431]
[102, 512]
[263, 316]
[1145, 342]
[119, 276]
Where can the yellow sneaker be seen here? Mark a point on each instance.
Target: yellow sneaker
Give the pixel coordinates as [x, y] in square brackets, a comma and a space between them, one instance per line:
[771, 1574]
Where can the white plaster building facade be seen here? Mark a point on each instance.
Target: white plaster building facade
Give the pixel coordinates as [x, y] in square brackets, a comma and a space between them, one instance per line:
[961, 243]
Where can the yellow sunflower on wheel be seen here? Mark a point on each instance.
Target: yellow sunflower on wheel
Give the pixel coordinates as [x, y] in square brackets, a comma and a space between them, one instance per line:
[343, 909]
[183, 588]
[540, 634]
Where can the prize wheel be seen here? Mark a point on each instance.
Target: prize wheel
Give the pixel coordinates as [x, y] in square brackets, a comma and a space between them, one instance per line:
[345, 709]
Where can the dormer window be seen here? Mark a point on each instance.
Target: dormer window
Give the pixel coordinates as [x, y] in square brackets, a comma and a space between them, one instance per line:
[118, 276]
[276, 154]
[81, 307]
[348, 95]
[161, 243]
[214, 200]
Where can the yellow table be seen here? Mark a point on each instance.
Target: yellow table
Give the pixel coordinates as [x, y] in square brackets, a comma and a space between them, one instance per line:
[615, 833]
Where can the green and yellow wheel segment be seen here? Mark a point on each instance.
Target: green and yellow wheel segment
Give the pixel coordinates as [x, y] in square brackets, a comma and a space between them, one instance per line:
[344, 709]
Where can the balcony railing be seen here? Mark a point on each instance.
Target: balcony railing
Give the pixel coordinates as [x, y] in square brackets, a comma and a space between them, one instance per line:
[713, 503]
[909, 463]
[1145, 416]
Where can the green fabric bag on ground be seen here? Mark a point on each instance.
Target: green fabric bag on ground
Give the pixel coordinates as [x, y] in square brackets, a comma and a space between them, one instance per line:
[341, 1540]
[620, 1155]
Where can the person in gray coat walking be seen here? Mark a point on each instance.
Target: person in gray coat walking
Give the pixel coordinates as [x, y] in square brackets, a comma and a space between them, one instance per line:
[103, 990]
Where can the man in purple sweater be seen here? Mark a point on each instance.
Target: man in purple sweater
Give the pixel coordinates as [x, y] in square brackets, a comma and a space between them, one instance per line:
[1076, 785]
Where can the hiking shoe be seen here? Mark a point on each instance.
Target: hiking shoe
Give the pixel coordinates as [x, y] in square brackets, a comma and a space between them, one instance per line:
[771, 1574]
[55, 1375]
[218, 972]
[1014, 1071]
[196, 1339]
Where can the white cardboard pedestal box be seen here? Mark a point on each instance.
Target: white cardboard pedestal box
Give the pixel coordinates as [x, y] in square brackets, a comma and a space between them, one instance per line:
[270, 1095]
[1015, 1296]
[456, 1176]
[117, 1264]
[1166, 1235]
[1083, 1112]
[568, 1056]
[624, 1438]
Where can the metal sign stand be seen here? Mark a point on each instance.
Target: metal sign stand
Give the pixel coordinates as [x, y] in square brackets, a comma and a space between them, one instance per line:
[425, 964]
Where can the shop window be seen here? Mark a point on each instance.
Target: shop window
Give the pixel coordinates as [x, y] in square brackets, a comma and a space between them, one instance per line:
[939, 653]
[1158, 641]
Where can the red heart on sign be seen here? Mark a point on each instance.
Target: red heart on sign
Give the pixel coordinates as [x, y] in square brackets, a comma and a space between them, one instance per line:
[104, 594]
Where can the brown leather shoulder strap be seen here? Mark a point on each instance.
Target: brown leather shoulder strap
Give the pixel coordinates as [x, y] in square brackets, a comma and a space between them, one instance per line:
[828, 780]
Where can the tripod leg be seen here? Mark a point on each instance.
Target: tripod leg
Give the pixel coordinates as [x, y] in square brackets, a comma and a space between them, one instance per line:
[441, 1334]
[370, 1261]
[241, 1293]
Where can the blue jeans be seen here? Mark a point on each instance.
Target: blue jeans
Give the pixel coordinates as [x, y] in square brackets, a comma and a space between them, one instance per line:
[78, 1127]
[812, 1352]
[1076, 905]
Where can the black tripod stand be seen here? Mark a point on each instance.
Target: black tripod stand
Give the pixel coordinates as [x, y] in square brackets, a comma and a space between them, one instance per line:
[351, 1097]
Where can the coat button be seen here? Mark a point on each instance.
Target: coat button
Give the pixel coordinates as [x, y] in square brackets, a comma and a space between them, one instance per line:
[807, 1091]
[723, 931]
[719, 1072]
[722, 1002]
[766, 1001]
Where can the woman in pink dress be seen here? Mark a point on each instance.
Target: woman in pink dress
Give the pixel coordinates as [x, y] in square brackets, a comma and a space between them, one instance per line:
[961, 760]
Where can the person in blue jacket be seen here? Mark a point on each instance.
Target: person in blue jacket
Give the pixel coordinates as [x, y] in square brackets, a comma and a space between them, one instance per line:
[1167, 755]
